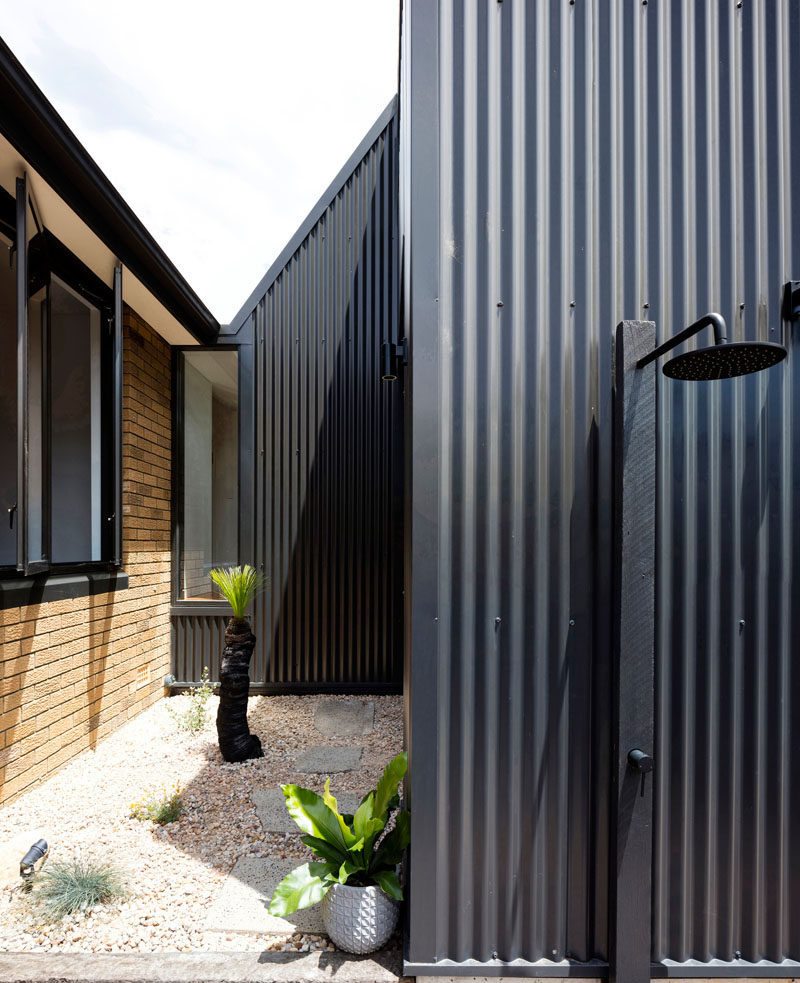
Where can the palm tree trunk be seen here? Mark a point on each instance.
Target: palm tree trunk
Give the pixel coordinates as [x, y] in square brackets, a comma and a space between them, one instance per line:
[235, 740]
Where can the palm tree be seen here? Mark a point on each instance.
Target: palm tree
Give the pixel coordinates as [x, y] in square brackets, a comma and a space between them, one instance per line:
[239, 585]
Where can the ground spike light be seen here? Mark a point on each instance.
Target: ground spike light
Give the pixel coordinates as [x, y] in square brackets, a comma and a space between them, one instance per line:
[722, 360]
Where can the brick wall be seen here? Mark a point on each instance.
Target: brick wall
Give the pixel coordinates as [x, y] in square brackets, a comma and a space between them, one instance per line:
[72, 671]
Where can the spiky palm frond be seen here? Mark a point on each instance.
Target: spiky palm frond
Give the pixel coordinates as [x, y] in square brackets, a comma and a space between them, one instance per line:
[239, 585]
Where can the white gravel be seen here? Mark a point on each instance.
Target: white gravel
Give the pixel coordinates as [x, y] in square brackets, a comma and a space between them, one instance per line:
[174, 872]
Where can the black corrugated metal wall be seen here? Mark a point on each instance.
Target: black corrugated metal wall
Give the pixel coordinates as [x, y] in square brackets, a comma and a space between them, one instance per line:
[565, 166]
[329, 441]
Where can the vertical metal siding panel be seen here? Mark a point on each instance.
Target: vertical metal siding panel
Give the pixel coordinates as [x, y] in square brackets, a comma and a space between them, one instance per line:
[598, 161]
[197, 642]
[331, 434]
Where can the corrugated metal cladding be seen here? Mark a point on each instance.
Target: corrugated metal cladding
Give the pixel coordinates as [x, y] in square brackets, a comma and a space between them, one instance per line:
[329, 439]
[197, 641]
[565, 166]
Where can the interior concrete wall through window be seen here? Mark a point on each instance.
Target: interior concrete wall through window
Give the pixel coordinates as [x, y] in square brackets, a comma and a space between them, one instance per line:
[210, 517]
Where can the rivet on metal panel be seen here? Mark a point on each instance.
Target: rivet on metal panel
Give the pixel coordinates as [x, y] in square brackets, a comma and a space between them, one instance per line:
[741, 306]
[499, 303]
[646, 306]
[572, 303]
[741, 625]
[737, 954]
[497, 622]
[572, 622]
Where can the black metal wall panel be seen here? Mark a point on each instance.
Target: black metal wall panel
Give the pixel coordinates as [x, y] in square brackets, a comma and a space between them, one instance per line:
[197, 642]
[565, 166]
[329, 438]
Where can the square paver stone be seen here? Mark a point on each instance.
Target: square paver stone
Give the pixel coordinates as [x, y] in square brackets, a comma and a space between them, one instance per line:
[327, 760]
[344, 718]
[270, 805]
[245, 896]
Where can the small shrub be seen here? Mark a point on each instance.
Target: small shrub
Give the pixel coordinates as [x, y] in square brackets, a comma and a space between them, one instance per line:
[162, 806]
[193, 717]
[70, 887]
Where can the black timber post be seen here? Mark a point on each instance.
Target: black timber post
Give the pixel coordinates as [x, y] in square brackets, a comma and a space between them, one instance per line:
[634, 711]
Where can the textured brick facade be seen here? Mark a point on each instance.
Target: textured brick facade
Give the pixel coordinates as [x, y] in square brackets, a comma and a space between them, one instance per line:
[72, 671]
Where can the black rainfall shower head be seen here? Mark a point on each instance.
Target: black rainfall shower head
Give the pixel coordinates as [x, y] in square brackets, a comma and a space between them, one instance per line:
[724, 361]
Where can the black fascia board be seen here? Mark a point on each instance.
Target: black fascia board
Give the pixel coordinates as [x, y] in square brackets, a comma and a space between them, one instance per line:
[31, 124]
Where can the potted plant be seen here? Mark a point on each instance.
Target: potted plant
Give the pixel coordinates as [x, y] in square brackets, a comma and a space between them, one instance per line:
[356, 876]
[239, 585]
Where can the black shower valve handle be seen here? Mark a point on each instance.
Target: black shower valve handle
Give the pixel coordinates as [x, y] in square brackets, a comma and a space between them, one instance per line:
[641, 762]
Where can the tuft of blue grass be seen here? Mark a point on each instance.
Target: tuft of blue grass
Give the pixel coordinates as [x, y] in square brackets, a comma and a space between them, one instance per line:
[70, 887]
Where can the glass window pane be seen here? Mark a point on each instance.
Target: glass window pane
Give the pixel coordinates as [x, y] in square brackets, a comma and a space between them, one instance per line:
[37, 310]
[75, 427]
[210, 469]
[8, 407]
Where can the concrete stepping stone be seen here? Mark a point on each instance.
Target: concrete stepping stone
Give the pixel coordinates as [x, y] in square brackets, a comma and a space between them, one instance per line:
[271, 809]
[344, 718]
[328, 760]
[245, 896]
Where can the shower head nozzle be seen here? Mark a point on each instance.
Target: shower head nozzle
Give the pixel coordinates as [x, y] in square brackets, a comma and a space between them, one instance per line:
[725, 361]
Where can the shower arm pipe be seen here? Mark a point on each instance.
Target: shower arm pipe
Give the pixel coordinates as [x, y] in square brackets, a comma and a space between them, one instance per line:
[717, 321]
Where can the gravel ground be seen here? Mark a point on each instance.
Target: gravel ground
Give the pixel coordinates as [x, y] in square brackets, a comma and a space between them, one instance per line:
[174, 872]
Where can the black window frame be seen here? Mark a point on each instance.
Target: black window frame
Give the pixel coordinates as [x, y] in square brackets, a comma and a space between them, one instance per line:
[44, 256]
[201, 606]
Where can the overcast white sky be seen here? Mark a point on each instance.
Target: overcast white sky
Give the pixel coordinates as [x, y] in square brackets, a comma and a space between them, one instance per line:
[220, 123]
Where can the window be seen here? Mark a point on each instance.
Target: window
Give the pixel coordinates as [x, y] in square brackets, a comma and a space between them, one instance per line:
[209, 468]
[8, 408]
[60, 403]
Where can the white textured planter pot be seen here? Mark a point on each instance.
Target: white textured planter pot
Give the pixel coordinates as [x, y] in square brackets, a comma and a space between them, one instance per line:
[359, 919]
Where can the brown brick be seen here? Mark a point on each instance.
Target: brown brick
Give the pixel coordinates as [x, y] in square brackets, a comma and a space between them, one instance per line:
[68, 668]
